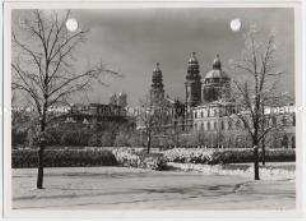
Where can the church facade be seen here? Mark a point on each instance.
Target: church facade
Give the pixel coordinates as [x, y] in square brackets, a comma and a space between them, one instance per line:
[209, 111]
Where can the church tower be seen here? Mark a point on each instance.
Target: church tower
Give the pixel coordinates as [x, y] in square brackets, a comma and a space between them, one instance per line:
[216, 83]
[157, 92]
[193, 82]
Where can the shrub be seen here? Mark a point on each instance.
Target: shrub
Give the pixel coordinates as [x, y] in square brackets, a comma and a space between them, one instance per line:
[89, 156]
[64, 158]
[127, 157]
[266, 173]
[122, 140]
[136, 157]
[77, 137]
[217, 156]
[160, 164]
[190, 155]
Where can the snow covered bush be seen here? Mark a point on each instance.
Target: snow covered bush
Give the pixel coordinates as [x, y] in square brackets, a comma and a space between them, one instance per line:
[127, 157]
[266, 172]
[135, 157]
[223, 156]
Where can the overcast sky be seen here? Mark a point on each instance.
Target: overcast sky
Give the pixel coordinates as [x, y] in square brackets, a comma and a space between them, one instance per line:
[133, 40]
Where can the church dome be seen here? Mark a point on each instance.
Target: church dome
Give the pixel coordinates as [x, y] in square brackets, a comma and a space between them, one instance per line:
[216, 83]
[217, 71]
[215, 74]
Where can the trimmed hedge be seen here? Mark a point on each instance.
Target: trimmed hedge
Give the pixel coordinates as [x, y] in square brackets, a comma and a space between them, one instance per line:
[89, 156]
[223, 156]
[27, 158]
[130, 157]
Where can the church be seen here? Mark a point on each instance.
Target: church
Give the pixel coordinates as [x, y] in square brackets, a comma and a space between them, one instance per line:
[209, 110]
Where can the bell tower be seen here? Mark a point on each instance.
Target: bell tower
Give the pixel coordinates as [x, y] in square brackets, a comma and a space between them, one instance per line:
[193, 82]
[157, 92]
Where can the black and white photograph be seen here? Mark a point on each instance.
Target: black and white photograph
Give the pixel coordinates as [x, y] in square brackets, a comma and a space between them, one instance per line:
[153, 108]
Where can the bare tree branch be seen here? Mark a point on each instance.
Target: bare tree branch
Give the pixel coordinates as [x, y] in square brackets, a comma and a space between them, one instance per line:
[51, 79]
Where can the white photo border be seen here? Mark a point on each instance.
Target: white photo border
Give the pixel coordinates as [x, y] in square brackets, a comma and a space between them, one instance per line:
[300, 92]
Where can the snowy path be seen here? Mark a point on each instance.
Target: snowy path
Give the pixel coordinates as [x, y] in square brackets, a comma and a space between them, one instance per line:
[125, 188]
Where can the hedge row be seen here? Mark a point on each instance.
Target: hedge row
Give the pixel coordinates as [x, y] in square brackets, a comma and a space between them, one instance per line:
[27, 158]
[222, 156]
[86, 157]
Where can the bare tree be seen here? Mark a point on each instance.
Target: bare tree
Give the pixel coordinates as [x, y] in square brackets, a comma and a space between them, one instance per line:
[44, 68]
[258, 92]
[152, 119]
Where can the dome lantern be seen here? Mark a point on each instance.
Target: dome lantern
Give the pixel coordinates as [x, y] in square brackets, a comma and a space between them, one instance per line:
[217, 63]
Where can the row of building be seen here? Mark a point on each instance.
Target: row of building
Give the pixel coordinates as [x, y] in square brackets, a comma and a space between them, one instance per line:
[209, 109]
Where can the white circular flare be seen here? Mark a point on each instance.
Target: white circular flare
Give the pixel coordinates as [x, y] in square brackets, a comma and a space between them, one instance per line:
[72, 24]
[236, 25]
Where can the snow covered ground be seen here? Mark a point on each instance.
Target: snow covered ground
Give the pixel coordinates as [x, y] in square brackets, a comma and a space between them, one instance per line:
[271, 171]
[129, 188]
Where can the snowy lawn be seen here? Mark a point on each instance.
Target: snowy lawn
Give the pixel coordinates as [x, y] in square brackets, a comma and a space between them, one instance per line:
[271, 171]
[130, 188]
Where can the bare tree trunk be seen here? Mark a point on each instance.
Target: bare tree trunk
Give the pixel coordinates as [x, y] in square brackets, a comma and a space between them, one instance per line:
[256, 163]
[175, 134]
[40, 174]
[263, 152]
[149, 143]
[176, 140]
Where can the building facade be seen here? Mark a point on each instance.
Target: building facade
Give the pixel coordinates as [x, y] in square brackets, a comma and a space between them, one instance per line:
[208, 109]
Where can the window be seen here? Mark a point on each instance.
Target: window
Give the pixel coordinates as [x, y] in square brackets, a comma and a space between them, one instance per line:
[202, 114]
[215, 125]
[215, 112]
[222, 125]
[284, 120]
[202, 126]
[285, 141]
[293, 120]
[195, 115]
[293, 142]
[274, 121]
[208, 125]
